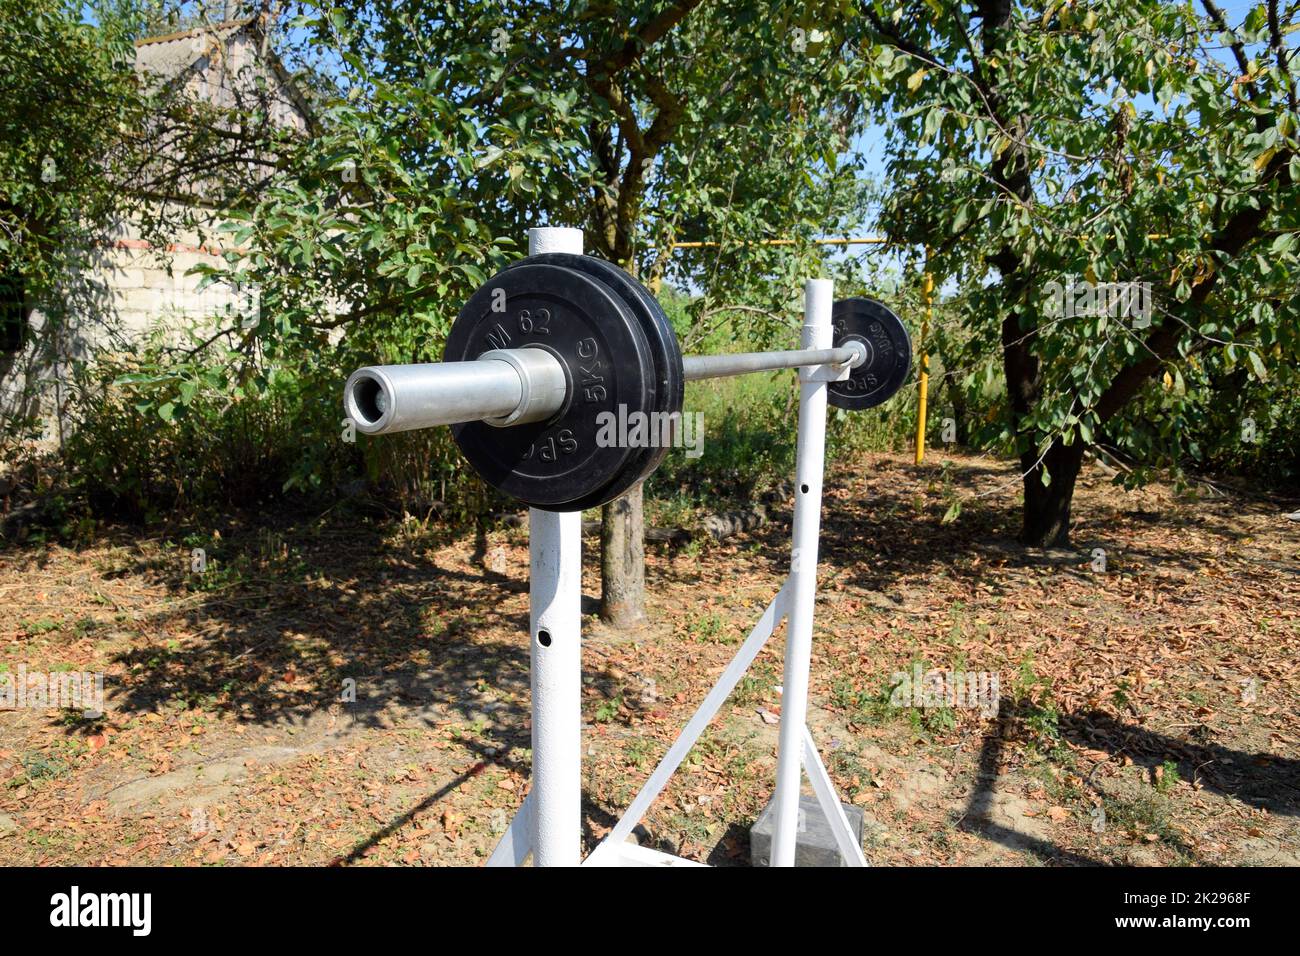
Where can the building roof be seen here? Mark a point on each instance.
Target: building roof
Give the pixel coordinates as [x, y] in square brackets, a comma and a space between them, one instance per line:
[171, 56]
[174, 53]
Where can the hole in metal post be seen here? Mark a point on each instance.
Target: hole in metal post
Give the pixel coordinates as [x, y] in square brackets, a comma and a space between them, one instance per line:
[544, 638]
[804, 489]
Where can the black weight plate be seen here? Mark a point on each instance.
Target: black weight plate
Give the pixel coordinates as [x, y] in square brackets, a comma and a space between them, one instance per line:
[557, 464]
[670, 382]
[889, 353]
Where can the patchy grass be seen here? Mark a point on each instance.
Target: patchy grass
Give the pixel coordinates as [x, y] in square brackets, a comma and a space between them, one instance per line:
[340, 689]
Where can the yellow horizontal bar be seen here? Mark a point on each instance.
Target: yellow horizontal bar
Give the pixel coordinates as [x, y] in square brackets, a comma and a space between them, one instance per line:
[864, 240]
[858, 241]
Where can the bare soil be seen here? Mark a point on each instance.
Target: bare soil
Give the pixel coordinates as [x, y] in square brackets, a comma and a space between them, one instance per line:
[337, 690]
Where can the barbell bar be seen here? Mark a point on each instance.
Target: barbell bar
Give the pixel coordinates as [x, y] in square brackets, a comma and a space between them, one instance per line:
[562, 379]
[699, 367]
[516, 386]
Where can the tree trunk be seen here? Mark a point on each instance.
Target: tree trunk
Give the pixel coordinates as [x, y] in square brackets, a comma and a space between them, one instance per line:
[961, 423]
[622, 560]
[622, 521]
[1046, 517]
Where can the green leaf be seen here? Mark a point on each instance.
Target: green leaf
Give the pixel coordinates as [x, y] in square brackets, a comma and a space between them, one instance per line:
[959, 218]
[1257, 365]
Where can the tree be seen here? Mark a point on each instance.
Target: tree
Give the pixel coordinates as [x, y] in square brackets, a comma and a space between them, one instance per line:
[461, 124]
[91, 146]
[1099, 143]
[68, 93]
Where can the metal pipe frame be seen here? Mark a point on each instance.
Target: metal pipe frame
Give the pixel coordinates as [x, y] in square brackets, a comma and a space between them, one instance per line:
[555, 654]
[796, 603]
[810, 462]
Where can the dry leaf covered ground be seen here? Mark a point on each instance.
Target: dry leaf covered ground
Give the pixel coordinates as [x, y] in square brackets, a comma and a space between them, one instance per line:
[333, 690]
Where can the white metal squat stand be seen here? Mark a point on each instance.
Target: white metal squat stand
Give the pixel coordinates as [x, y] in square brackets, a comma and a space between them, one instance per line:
[549, 822]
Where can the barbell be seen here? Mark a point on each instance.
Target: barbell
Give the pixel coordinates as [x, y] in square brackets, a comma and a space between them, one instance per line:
[555, 349]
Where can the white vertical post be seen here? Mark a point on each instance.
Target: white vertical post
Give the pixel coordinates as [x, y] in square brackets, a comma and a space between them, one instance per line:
[810, 462]
[555, 633]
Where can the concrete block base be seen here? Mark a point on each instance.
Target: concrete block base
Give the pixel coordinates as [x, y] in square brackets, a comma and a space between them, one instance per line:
[814, 845]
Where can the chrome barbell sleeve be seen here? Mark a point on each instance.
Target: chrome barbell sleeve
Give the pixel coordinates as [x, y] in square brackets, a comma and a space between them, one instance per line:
[509, 388]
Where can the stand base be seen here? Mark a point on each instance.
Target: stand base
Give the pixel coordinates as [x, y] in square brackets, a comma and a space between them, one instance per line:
[815, 843]
[629, 854]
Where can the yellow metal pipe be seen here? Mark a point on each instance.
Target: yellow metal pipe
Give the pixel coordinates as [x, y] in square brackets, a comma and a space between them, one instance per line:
[927, 291]
[860, 241]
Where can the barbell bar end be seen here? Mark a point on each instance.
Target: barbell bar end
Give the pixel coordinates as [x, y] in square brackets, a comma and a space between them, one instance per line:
[367, 399]
[381, 399]
[859, 351]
